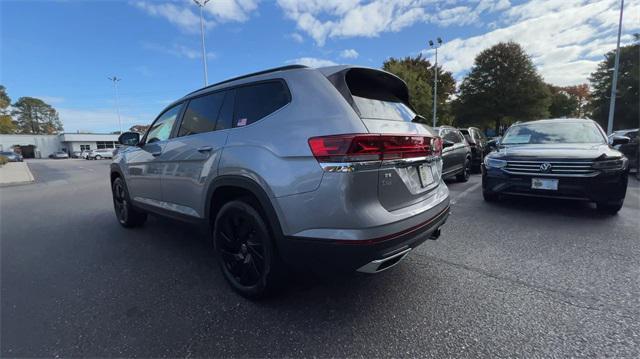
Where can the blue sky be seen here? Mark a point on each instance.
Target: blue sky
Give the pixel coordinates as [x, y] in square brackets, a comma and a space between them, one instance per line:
[63, 51]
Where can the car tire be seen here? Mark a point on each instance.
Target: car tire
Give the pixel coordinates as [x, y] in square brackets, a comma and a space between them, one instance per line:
[609, 208]
[127, 215]
[466, 172]
[98, 157]
[490, 196]
[245, 249]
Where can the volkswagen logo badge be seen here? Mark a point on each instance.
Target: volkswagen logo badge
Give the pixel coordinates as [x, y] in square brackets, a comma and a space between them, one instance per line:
[545, 167]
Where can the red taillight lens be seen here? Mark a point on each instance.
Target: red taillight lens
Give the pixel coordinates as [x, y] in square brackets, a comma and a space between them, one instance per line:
[355, 148]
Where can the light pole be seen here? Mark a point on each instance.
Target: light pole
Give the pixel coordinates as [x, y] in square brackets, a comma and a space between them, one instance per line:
[435, 78]
[614, 85]
[201, 4]
[115, 81]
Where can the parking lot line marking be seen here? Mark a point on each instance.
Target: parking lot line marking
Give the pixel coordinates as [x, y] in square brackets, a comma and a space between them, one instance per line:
[465, 192]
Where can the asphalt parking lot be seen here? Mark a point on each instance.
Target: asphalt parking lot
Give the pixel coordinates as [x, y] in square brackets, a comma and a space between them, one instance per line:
[524, 277]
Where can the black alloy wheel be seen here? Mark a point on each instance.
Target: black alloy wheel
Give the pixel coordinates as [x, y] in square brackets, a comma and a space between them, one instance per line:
[125, 213]
[466, 172]
[245, 250]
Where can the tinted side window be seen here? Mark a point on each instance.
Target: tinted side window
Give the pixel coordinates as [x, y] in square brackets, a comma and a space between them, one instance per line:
[161, 128]
[225, 118]
[201, 114]
[451, 136]
[254, 102]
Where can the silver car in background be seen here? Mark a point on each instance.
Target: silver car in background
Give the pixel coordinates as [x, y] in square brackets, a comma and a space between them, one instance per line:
[100, 154]
[319, 170]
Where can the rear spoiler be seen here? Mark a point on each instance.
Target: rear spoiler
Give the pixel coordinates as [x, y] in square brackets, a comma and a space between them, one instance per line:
[367, 82]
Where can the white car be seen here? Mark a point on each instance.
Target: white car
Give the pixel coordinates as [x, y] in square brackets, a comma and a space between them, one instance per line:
[100, 154]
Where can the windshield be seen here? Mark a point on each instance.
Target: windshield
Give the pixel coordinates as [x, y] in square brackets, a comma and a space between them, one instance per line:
[553, 133]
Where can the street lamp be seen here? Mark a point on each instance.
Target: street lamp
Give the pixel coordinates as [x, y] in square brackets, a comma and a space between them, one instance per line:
[201, 4]
[614, 84]
[435, 78]
[115, 81]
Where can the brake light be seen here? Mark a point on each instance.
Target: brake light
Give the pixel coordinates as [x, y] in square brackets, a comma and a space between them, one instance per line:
[373, 147]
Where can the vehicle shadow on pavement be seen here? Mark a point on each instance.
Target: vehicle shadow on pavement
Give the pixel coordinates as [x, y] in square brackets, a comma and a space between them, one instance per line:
[549, 206]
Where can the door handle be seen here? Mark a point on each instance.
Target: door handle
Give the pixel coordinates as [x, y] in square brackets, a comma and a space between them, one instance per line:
[205, 149]
[156, 154]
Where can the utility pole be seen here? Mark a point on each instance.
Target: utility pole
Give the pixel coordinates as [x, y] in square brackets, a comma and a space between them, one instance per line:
[614, 85]
[435, 79]
[115, 81]
[201, 4]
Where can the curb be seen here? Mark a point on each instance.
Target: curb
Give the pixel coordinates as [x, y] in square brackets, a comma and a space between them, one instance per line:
[29, 178]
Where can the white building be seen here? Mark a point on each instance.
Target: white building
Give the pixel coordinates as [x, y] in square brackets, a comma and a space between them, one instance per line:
[41, 146]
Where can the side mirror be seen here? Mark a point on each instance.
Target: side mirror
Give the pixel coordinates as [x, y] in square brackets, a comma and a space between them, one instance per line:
[129, 139]
[446, 143]
[618, 140]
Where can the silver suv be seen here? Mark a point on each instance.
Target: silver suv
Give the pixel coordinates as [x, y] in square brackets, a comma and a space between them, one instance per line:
[322, 170]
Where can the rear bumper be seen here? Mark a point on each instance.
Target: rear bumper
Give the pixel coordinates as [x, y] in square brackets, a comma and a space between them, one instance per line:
[605, 187]
[331, 256]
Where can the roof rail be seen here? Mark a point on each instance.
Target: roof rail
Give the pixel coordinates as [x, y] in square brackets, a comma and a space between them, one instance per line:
[281, 68]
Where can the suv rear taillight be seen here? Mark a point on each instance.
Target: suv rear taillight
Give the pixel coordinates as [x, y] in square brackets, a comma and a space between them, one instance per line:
[373, 147]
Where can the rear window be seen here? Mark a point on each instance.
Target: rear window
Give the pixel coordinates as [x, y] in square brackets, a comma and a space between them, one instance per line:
[376, 95]
[254, 102]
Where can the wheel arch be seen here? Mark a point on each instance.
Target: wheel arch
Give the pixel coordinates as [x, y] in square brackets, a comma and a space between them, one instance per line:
[228, 187]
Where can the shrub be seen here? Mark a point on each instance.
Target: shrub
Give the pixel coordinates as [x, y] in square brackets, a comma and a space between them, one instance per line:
[3, 160]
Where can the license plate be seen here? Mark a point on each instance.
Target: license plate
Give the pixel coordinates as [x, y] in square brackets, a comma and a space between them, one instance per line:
[544, 183]
[426, 176]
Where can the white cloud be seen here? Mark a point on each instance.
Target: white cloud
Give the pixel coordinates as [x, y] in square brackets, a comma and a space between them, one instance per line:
[565, 38]
[182, 16]
[185, 14]
[297, 37]
[96, 120]
[180, 50]
[349, 54]
[231, 10]
[322, 19]
[311, 62]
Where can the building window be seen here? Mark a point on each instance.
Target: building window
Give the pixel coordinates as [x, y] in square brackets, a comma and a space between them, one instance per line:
[85, 147]
[105, 144]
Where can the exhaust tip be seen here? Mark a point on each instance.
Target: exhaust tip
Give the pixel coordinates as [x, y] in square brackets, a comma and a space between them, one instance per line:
[435, 235]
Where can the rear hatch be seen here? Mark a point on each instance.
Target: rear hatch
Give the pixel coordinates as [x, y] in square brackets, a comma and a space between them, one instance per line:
[408, 173]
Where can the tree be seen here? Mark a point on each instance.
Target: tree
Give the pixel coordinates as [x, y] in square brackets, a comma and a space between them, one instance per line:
[6, 122]
[563, 104]
[582, 95]
[417, 72]
[6, 125]
[626, 113]
[503, 86]
[5, 101]
[34, 116]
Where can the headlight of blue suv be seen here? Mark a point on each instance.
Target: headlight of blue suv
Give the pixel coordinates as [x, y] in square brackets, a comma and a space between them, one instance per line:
[494, 163]
[615, 164]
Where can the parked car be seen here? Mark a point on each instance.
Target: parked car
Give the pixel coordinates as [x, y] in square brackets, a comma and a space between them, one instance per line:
[84, 154]
[76, 154]
[456, 154]
[478, 143]
[561, 158]
[58, 155]
[630, 150]
[100, 154]
[11, 156]
[317, 170]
